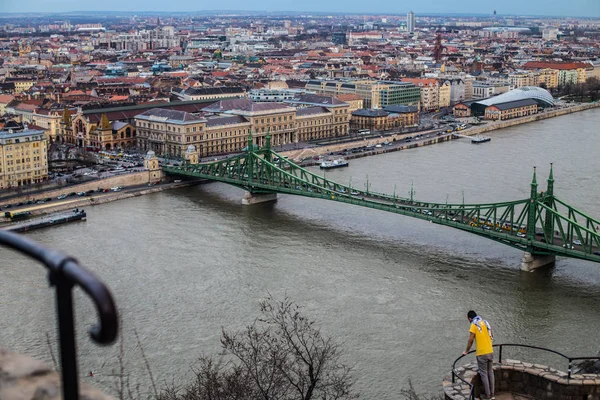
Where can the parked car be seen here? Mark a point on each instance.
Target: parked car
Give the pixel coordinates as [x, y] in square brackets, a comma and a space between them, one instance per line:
[72, 194]
[80, 194]
[90, 191]
[62, 196]
[47, 199]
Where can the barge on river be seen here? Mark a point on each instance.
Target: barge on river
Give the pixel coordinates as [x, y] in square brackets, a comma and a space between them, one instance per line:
[48, 220]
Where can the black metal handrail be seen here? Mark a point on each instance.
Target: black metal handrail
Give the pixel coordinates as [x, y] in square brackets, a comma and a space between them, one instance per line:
[501, 346]
[64, 273]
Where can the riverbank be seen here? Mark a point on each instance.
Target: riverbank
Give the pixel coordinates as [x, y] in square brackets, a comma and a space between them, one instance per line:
[306, 155]
[495, 125]
[85, 201]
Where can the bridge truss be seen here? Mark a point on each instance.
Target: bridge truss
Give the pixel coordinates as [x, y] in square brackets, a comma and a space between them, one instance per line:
[540, 225]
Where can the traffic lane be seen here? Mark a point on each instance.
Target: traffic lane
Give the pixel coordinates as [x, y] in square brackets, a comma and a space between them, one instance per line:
[72, 199]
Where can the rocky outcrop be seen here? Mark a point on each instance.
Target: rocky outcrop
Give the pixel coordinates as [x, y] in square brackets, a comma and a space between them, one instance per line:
[25, 378]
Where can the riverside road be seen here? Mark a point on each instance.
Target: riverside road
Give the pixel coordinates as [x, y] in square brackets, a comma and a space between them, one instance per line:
[394, 290]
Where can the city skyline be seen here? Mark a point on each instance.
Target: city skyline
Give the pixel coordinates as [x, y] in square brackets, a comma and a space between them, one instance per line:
[575, 8]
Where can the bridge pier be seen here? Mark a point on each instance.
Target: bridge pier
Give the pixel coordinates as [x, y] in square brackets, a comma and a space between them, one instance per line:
[531, 262]
[255, 198]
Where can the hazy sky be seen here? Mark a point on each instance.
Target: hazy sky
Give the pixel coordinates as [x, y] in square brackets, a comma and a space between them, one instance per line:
[589, 8]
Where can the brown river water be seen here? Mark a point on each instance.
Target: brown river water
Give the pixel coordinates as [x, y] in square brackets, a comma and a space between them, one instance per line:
[182, 264]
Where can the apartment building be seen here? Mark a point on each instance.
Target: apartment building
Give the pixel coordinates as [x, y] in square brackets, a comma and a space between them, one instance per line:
[548, 77]
[568, 72]
[375, 94]
[430, 92]
[23, 155]
[48, 119]
[445, 94]
[520, 79]
[482, 90]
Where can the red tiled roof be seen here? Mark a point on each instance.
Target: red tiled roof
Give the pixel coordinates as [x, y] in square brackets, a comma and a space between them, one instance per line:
[6, 98]
[554, 65]
[421, 81]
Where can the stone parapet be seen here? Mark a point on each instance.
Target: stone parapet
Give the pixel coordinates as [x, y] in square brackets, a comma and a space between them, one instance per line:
[24, 378]
[535, 380]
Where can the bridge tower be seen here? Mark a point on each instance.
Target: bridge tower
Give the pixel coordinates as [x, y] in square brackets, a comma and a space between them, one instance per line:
[549, 202]
[532, 209]
[155, 174]
[268, 156]
[251, 196]
[191, 155]
[533, 258]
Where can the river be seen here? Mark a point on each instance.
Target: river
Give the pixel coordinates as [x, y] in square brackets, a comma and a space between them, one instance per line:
[395, 291]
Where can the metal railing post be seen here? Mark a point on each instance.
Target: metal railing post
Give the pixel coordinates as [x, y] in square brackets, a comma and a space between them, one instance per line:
[500, 355]
[66, 331]
[64, 273]
[569, 369]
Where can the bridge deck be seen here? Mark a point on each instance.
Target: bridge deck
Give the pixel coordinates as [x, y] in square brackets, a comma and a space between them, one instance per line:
[536, 225]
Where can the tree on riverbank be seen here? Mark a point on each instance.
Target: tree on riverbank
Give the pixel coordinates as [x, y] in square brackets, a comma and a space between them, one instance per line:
[281, 355]
[581, 92]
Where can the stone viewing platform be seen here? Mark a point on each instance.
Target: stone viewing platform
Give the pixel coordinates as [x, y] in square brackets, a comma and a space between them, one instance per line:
[523, 380]
[25, 378]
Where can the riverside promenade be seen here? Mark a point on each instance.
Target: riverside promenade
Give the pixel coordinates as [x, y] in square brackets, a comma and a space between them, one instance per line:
[399, 141]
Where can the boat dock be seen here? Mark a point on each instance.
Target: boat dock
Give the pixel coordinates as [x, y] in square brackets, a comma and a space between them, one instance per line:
[474, 139]
[48, 220]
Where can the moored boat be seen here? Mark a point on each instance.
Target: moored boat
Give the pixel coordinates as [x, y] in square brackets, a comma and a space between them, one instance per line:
[480, 139]
[337, 163]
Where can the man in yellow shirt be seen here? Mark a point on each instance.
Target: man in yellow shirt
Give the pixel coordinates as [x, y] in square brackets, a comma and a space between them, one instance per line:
[481, 333]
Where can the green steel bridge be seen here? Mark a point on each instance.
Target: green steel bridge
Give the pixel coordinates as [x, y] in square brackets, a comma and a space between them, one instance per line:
[543, 226]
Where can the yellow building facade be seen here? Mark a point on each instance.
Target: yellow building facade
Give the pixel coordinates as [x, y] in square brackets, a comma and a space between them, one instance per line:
[226, 130]
[23, 157]
[444, 96]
